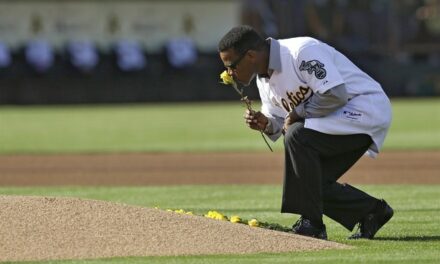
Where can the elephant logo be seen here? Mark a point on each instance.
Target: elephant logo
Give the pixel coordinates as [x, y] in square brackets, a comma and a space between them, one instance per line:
[314, 66]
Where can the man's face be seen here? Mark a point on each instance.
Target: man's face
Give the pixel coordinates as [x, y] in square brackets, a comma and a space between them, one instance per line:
[239, 66]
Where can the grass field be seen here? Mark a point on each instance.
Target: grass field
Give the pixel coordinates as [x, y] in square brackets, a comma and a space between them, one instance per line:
[177, 127]
[413, 235]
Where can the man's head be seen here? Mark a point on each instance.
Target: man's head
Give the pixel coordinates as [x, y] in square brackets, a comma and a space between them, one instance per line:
[241, 51]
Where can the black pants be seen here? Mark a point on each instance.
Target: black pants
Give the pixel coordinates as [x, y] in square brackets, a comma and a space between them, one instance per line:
[314, 161]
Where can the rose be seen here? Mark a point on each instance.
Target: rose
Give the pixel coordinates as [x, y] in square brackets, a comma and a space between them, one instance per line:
[253, 223]
[235, 219]
[216, 215]
[226, 78]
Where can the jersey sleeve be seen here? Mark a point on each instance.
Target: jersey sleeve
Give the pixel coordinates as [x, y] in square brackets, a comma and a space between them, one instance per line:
[315, 67]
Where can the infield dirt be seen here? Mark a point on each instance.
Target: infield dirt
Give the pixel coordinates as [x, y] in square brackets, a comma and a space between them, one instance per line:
[48, 228]
[391, 167]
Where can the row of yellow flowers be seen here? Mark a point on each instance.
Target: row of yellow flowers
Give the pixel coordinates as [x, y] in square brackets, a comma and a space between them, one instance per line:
[235, 219]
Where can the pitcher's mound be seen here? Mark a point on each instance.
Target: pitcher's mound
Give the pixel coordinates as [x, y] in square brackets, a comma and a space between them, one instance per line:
[43, 228]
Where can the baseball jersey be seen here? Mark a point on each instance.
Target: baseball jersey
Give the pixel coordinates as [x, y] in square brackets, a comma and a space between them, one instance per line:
[304, 66]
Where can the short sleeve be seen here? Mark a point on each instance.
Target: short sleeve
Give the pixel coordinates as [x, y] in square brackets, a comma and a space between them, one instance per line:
[316, 67]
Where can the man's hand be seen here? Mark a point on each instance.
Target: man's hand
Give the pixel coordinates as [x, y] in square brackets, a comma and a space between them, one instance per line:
[291, 118]
[255, 120]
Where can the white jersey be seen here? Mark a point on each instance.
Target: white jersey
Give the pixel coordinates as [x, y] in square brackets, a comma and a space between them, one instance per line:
[303, 66]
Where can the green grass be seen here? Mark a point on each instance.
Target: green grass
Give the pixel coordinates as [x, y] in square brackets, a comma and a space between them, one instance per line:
[412, 236]
[176, 127]
[416, 124]
[155, 127]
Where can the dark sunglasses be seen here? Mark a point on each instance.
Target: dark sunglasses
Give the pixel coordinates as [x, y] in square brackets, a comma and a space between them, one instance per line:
[234, 65]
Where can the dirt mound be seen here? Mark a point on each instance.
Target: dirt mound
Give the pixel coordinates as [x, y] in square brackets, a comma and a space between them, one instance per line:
[47, 228]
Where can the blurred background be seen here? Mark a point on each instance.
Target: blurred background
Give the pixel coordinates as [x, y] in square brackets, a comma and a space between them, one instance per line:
[106, 51]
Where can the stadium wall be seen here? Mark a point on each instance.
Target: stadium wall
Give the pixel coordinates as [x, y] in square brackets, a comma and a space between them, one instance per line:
[151, 23]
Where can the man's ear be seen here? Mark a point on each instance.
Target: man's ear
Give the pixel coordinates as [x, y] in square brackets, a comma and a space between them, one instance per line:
[252, 54]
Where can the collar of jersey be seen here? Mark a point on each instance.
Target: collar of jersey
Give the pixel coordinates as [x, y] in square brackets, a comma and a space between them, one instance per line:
[274, 57]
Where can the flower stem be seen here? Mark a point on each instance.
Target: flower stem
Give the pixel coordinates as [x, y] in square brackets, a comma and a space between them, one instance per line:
[248, 103]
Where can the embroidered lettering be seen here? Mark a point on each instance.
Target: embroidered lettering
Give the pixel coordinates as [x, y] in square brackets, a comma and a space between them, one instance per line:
[300, 96]
[296, 98]
[304, 90]
[285, 105]
[352, 115]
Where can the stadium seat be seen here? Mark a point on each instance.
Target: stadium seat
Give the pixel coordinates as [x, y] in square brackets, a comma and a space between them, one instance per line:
[129, 56]
[181, 52]
[39, 55]
[5, 56]
[83, 55]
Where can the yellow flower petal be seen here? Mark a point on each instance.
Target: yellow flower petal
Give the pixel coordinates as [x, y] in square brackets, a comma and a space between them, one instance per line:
[216, 215]
[226, 78]
[235, 219]
[210, 214]
[253, 223]
[221, 217]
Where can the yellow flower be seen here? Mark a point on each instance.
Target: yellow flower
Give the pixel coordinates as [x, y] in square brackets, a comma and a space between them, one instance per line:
[235, 219]
[215, 215]
[180, 211]
[189, 213]
[253, 223]
[226, 78]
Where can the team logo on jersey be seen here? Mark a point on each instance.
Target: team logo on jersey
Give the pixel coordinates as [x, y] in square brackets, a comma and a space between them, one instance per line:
[296, 98]
[314, 66]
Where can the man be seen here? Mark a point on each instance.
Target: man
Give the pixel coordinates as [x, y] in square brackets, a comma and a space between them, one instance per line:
[330, 113]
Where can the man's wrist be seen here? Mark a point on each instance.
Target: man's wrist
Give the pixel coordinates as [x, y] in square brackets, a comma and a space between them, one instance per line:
[269, 128]
[294, 116]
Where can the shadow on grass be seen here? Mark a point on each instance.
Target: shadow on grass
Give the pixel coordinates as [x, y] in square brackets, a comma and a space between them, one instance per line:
[410, 238]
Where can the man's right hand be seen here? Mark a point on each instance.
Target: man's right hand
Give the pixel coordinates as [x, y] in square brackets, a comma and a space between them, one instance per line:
[291, 118]
[255, 120]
